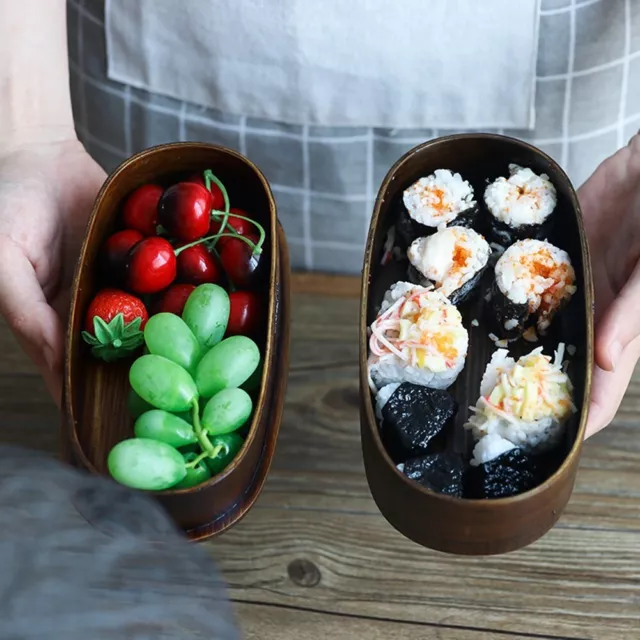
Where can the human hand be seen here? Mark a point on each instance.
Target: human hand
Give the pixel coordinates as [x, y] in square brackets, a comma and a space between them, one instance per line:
[610, 201]
[46, 194]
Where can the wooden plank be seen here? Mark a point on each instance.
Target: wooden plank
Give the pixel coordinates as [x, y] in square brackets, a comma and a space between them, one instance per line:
[582, 580]
[266, 622]
[330, 285]
[577, 584]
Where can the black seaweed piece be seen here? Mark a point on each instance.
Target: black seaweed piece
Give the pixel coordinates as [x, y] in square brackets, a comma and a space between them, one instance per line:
[510, 474]
[441, 472]
[502, 311]
[505, 235]
[412, 417]
[408, 230]
[462, 294]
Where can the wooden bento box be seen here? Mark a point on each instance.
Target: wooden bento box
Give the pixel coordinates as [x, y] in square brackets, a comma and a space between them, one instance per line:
[432, 509]
[96, 393]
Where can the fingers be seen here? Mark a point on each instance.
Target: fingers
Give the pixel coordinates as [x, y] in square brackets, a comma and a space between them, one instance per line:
[620, 324]
[34, 323]
[609, 387]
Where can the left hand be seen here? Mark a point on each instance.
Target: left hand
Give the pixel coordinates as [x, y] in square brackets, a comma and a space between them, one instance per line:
[610, 201]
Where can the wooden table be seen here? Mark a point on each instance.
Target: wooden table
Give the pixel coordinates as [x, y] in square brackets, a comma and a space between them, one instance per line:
[315, 559]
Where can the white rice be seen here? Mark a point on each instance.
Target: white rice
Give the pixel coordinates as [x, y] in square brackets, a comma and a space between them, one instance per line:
[536, 273]
[522, 199]
[439, 198]
[537, 434]
[435, 322]
[489, 447]
[450, 257]
[383, 395]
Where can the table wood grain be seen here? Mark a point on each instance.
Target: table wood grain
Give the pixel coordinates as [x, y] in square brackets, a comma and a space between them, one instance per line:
[315, 559]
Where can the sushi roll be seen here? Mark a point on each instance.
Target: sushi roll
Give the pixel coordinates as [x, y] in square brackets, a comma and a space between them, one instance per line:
[525, 402]
[519, 206]
[438, 200]
[453, 259]
[532, 278]
[412, 417]
[441, 472]
[417, 337]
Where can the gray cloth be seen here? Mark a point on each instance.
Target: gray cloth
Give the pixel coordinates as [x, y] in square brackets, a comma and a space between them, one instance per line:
[83, 557]
[325, 178]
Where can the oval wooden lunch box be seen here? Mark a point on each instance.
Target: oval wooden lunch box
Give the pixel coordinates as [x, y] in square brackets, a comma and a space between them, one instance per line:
[95, 415]
[437, 521]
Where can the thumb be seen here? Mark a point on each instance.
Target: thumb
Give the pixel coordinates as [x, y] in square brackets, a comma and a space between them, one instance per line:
[32, 320]
[620, 324]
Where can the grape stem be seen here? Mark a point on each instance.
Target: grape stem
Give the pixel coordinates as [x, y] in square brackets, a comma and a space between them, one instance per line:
[205, 454]
[198, 430]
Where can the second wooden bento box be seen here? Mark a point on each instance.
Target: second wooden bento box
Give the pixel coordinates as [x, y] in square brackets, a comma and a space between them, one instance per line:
[449, 504]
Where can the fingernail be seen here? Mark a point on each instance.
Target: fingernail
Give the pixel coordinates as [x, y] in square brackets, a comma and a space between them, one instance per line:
[614, 353]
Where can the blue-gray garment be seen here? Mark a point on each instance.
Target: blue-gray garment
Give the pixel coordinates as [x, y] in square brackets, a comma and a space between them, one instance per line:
[82, 558]
[587, 105]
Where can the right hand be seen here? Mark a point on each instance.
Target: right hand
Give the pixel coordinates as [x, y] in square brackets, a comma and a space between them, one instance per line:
[47, 191]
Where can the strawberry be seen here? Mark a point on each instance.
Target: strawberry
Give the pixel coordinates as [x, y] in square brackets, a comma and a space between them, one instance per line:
[114, 324]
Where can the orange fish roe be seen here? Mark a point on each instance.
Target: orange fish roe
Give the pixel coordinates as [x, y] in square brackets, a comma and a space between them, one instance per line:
[536, 273]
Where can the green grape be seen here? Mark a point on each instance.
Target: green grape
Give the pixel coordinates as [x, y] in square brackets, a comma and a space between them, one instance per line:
[166, 334]
[206, 313]
[195, 475]
[166, 427]
[136, 405]
[227, 365]
[231, 445]
[146, 464]
[227, 411]
[163, 383]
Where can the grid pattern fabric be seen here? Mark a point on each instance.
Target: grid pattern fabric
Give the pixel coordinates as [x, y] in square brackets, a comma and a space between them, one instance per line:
[325, 179]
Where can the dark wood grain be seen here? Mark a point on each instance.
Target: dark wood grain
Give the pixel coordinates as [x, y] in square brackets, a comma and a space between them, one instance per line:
[581, 580]
[299, 623]
[436, 520]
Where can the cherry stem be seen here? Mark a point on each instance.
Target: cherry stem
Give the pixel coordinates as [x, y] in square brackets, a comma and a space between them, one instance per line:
[253, 246]
[216, 214]
[209, 177]
[199, 431]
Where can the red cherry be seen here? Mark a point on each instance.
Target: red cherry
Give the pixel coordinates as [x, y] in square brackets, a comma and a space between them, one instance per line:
[217, 199]
[174, 299]
[197, 265]
[184, 211]
[152, 266]
[242, 227]
[140, 211]
[115, 251]
[239, 262]
[246, 313]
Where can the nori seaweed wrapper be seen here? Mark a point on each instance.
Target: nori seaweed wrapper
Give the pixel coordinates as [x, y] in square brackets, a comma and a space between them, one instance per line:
[441, 472]
[412, 417]
[510, 474]
[503, 310]
[408, 230]
[462, 294]
[505, 235]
